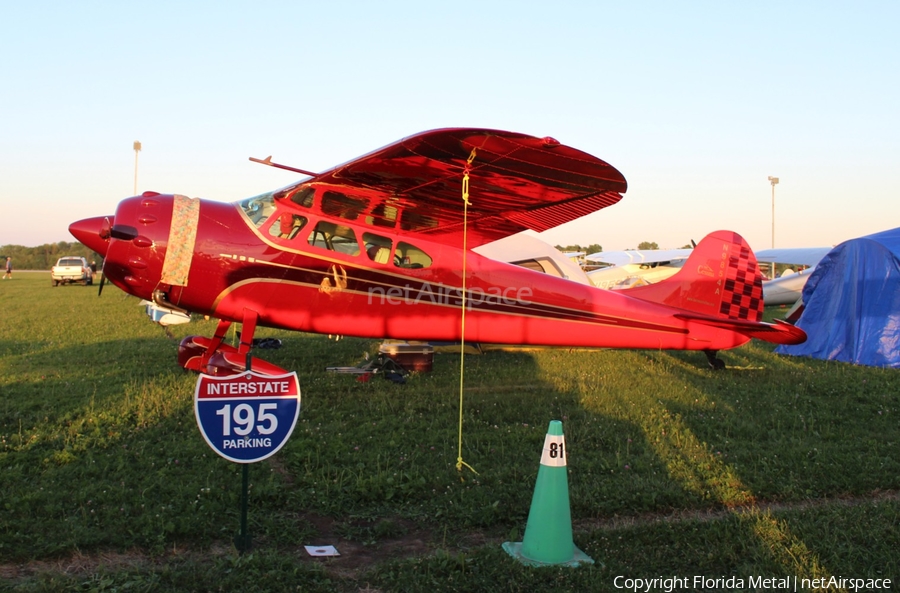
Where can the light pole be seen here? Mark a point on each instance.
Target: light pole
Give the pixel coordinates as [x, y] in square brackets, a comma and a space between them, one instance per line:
[137, 149]
[774, 182]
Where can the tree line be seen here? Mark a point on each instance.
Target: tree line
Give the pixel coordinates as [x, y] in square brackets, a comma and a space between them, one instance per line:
[43, 257]
[595, 248]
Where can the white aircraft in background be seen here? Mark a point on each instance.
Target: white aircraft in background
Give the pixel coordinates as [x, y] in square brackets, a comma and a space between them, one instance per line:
[577, 257]
[526, 250]
[626, 269]
[621, 270]
[788, 288]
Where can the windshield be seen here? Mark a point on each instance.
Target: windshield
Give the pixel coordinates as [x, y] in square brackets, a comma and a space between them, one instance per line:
[258, 208]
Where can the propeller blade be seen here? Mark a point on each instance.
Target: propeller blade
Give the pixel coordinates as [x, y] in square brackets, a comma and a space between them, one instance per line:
[102, 278]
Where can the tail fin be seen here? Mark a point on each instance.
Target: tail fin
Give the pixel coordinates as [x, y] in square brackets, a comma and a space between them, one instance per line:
[720, 279]
[720, 285]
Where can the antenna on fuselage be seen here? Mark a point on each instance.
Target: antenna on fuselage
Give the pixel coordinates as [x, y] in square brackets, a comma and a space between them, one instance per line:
[268, 161]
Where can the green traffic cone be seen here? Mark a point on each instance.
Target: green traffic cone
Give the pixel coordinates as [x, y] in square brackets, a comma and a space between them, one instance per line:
[548, 533]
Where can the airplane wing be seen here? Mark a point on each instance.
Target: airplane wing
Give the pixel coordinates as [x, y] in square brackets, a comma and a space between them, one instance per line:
[637, 256]
[806, 256]
[516, 182]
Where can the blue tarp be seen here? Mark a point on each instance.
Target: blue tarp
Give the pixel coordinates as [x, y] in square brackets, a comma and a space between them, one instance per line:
[852, 304]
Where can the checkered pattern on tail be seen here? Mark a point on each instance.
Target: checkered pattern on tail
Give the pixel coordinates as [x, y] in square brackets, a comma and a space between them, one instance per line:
[742, 297]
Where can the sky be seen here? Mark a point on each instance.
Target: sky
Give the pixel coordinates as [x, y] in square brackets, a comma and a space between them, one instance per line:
[696, 103]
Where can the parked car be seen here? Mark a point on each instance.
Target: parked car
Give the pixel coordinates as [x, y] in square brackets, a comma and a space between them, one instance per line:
[71, 268]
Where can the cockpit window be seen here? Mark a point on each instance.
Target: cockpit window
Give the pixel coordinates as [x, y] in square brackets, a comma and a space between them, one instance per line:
[339, 204]
[410, 256]
[259, 208]
[383, 215]
[287, 226]
[545, 265]
[328, 235]
[378, 248]
[304, 196]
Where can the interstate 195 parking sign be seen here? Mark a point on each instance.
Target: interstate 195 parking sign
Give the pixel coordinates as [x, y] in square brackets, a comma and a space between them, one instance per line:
[247, 417]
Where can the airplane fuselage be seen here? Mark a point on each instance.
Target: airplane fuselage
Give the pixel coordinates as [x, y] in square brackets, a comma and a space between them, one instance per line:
[412, 290]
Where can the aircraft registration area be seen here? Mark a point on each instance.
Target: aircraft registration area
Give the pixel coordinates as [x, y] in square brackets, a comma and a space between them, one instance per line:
[382, 247]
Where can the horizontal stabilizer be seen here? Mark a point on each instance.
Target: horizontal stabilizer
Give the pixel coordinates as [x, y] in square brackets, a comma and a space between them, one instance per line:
[780, 332]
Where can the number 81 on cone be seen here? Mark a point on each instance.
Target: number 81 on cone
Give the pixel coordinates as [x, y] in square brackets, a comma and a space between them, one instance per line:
[247, 417]
[554, 453]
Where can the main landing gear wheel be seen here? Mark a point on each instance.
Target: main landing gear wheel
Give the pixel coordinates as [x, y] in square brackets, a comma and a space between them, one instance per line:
[716, 363]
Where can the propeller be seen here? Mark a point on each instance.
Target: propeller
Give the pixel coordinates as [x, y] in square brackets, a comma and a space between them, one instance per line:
[102, 278]
[105, 231]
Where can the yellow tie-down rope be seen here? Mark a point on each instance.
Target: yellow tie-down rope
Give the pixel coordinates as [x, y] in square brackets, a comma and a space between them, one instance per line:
[462, 341]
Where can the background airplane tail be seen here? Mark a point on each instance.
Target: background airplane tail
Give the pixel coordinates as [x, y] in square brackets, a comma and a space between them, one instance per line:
[720, 285]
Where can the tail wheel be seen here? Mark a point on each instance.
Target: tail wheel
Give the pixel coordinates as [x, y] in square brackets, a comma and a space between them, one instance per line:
[716, 363]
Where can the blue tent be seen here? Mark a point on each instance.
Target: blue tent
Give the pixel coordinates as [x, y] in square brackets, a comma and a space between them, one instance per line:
[852, 304]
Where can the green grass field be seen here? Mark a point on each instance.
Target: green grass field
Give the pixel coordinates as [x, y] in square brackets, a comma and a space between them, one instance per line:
[776, 467]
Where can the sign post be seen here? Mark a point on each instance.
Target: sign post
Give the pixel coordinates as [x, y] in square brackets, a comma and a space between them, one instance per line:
[243, 541]
[246, 418]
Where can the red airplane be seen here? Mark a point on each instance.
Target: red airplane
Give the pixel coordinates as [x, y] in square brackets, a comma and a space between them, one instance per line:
[377, 247]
